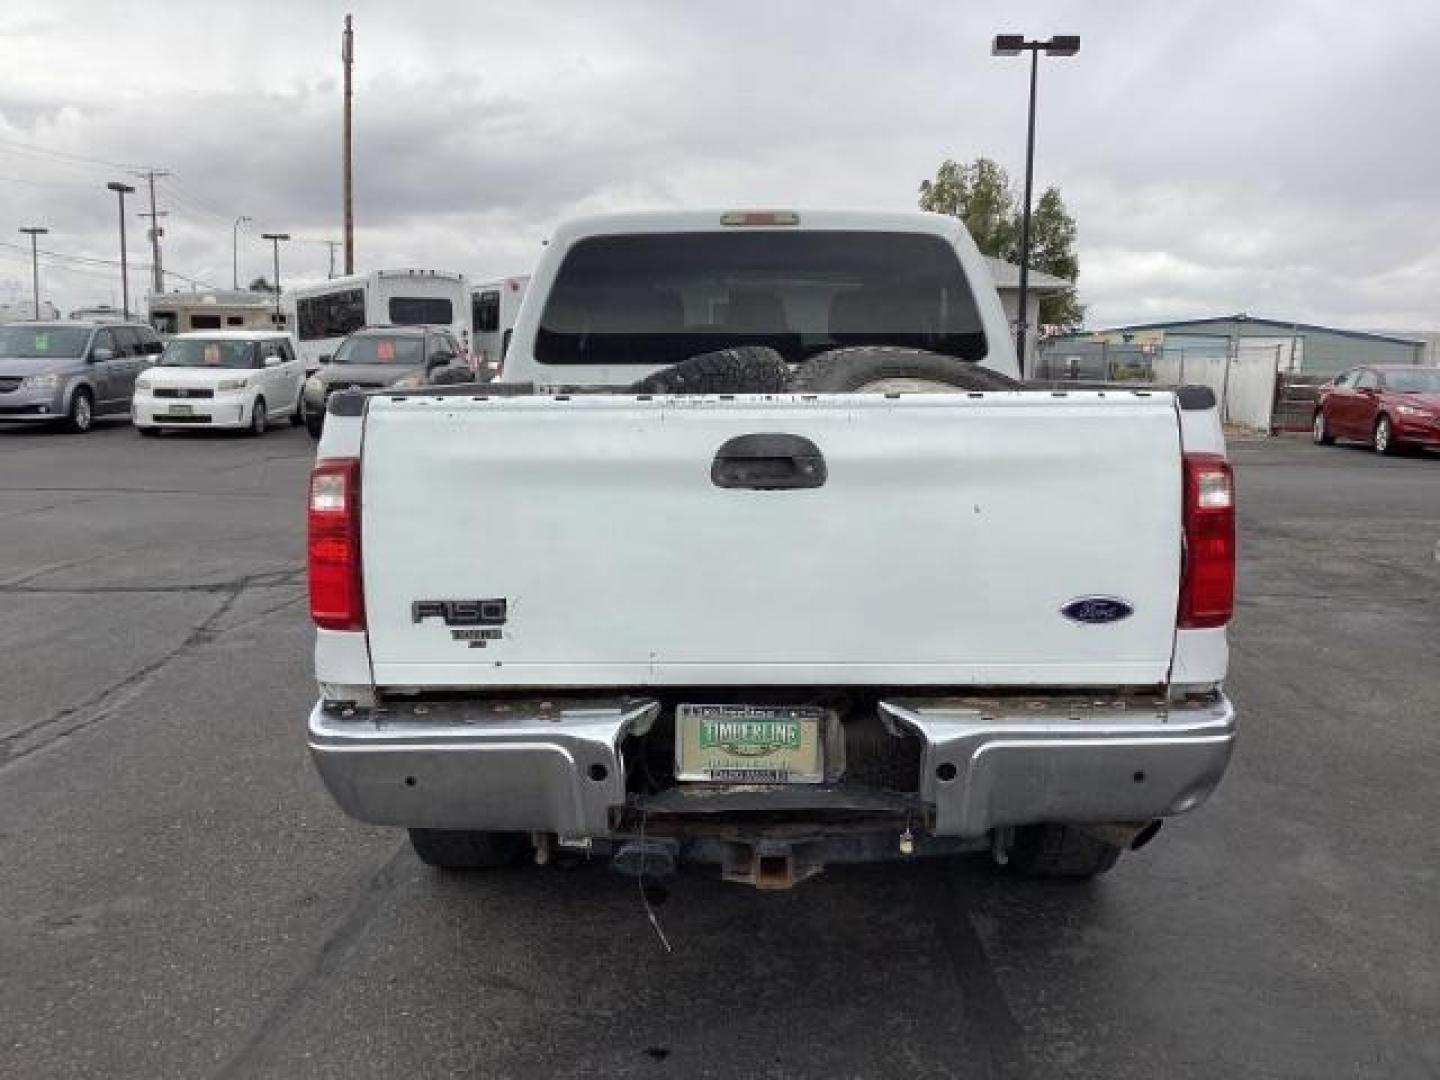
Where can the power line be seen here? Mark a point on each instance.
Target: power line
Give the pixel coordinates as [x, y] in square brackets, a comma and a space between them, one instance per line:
[45, 183]
[184, 196]
[59, 268]
[69, 158]
[184, 203]
[178, 193]
[90, 260]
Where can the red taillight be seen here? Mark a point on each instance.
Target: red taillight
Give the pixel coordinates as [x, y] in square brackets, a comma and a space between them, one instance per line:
[1207, 586]
[337, 601]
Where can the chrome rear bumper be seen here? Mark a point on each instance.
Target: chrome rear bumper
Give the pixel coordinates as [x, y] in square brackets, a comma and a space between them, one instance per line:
[556, 766]
[990, 764]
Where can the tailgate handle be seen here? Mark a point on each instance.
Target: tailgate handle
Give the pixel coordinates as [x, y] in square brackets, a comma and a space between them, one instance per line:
[768, 462]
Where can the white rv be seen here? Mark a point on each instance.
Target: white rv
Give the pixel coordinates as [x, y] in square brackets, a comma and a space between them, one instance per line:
[493, 307]
[321, 316]
[24, 311]
[216, 309]
[98, 313]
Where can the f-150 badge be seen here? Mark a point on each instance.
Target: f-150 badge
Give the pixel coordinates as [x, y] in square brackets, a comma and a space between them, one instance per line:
[475, 622]
[1093, 610]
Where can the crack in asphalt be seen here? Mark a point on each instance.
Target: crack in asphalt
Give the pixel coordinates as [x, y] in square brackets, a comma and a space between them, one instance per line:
[265, 579]
[1349, 598]
[266, 460]
[986, 1020]
[102, 492]
[63, 503]
[69, 564]
[45, 732]
[333, 949]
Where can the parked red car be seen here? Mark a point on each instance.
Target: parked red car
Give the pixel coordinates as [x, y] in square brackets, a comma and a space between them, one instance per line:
[1389, 406]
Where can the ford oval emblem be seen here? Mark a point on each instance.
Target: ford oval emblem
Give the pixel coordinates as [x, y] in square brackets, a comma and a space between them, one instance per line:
[1094, 610]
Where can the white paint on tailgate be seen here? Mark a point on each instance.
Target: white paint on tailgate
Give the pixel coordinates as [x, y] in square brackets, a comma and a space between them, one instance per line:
[951, 531]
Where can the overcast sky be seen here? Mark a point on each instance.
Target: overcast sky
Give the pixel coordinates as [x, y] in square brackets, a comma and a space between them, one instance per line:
[1281, 158]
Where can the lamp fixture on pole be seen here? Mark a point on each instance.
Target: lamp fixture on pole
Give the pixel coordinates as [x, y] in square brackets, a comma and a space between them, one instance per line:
[1014, 45]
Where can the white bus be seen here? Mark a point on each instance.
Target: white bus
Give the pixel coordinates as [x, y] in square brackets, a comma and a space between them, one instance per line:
[219, 309]
[493, 307]
[322, 315]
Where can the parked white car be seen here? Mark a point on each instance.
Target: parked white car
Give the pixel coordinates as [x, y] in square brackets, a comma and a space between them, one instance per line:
[241, 379]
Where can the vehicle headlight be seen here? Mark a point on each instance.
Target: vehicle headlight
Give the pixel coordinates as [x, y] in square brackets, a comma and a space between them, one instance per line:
[231, 384]
[40, 382]
[408, 382]
[1413, 410]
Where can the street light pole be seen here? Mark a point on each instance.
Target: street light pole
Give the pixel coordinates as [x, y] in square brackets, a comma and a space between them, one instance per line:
[1014, 45]
[347, 59]
[275, 238]
[35, 231]
[235, 252]
[122, 190]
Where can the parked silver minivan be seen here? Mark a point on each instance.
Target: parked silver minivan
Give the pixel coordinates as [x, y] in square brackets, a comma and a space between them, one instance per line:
[70, 373]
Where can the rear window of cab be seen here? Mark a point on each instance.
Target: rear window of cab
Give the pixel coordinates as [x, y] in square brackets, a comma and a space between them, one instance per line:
[650, 299]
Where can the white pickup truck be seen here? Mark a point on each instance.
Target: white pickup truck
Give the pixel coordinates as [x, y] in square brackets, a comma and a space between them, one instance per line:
[900, 606]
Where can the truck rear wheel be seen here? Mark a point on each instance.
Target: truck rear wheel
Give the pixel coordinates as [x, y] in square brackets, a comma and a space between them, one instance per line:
[314, 424]
[1061, 851]
[879, 369]
[451, 849]
[745, 369]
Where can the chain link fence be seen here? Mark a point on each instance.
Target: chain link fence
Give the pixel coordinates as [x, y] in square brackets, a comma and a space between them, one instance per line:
[1247, 379]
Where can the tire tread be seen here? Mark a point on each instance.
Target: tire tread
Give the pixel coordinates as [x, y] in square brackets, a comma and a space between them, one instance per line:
[745, 369]
[846, 369]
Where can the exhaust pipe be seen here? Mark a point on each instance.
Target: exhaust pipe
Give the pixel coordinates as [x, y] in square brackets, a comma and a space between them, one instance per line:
[1129, 835]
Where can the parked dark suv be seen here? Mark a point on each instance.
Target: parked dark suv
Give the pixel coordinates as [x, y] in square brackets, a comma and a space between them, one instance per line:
[384, 356]
[70, 373]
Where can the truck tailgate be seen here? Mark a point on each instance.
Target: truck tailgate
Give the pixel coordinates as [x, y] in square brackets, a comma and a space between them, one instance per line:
[948, 536]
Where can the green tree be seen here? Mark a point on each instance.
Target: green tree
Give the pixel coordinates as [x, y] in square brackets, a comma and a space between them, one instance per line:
[261, 285]
[978, 194]
[981, 195]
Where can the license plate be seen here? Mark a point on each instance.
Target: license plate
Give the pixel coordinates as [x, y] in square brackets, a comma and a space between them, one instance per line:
[182, 410]
[749, 744]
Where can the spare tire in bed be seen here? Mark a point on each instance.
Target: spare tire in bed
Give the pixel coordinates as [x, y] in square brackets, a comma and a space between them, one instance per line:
[452, 376]
[745, 369]
[879, 369]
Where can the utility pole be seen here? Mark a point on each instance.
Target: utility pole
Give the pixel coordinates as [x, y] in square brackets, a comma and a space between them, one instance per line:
[35, 231]
[275, 238]
[235, 252]
[332, 245]
[347, 57]
[156, 232]
[122, 190]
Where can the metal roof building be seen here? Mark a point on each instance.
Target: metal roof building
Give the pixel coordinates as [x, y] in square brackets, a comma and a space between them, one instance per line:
[1307, 347]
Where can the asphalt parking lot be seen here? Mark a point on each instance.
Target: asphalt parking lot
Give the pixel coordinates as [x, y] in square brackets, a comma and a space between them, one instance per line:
[179, 898]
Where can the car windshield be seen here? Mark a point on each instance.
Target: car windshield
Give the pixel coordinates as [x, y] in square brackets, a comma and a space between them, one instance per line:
[404, 351]
[212, 353]
[1418, 381]
[657, 299]
[60, 341]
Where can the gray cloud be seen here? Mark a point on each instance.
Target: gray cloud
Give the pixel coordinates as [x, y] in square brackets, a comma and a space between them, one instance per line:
[1218, 156]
